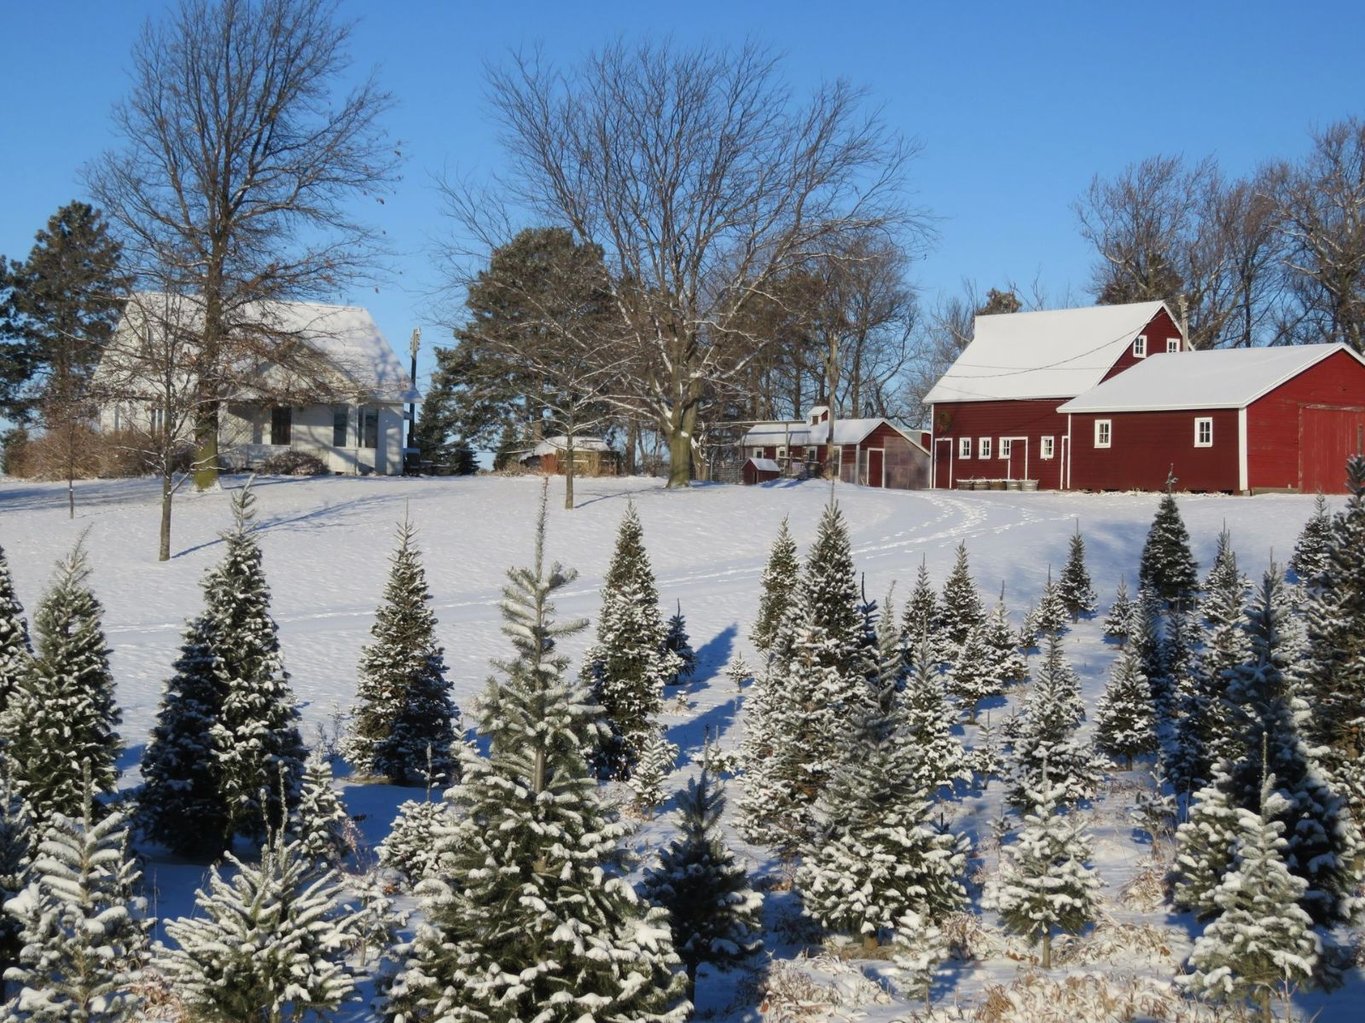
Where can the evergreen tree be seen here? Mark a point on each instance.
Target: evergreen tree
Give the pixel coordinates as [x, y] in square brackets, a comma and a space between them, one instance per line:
[15, 648]
[321, 825]
[405, 723]
[268, 943]
[921, 611]
[628, 667]
[1051, 617]
[1119, 622]
[63, 716]
[1075, 588]
[1312, 557]
[781, 577]
[713, 914]
[1125, 721]
[1046, 741]
[1045, 883]
[526, 916]
[83, 944]
[677, 643]
[976, 674]
[410, 847]
[829, 597]
[1262, 944]
[960, 610]
[657, 759]
[1204, 847]
[1002, 645]
[16, 847]
[1167, 568]
[926, 720]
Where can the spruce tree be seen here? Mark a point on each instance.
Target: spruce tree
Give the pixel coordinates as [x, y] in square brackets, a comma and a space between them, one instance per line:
[405, 723]
[1204, 847]
[16, 848]
[527, 916]
[1051, 617]
[927, 722]
[1118, 622]
[781, 577]
[975, 674]
[658, 757]
[1002, 645]
[1125, 721]
[61, 719]
[1075, 588]
[1312, 557]
[678, 643]
[829, 597]
[921, 611]
[83, 944]
[1046, 740]
[321, 824]
[713, 914]
[15, 647]
[1167, 567]
[628, 667]
[410, 848]
[960, 610]
[270, 942]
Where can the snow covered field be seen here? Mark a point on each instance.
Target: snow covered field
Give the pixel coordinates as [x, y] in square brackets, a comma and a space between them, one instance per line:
[326, 544]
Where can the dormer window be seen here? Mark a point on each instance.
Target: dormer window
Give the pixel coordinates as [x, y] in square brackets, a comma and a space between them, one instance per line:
[1140, 346]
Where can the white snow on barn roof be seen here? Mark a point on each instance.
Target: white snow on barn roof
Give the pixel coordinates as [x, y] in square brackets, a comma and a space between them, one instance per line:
[552, 445]
[1217, 378]
[1056, 353]
[776, 433]
[794, 434]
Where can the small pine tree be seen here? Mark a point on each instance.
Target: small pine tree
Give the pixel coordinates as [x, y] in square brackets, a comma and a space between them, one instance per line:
[15, 648]
[1002, 643]
[1118, 623]
[658, 757]
[926, 720]
[975, 676]
[960, 610]
[268, 943]
[713, 914]
[677, 643]
[1125, 721]
[1167, 567]
[1045, 882]
[1204, 847]
[1312, 557]
[83, 944]
[405, 724]
[921, 611]
[65, 702]
[411, 846]
[321, 823]
[1075, 588]
[1047, 751]
[1051, 617]
[739, 672]
[781, 578]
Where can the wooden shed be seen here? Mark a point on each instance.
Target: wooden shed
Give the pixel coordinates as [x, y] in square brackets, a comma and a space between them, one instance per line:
[592, 457]
[873, 452]
[760, 470]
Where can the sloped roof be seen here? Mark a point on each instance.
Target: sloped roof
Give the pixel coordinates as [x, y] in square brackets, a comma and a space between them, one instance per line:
[1055, 353]
[552, 445]
[796, 434]
[765, 464]
[1217, 378]
[763, 434]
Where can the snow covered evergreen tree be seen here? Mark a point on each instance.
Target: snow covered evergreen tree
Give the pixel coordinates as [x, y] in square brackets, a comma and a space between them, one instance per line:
[405, 722]
[269, 941]
[1167, 567]
[62, 717]
[1205, 845]
[1046, 739]
[781, 577]
[658, 757]
[16, 848]
[1118, 623]
[1075, 587]
[628, 667]
[411, 847]
[713, 914]
[829, 596]
[1312, 557]
[321, 824]
[83, 943]
[921, 610]
[1051, 617]
[960, 610]
[926, 720]
[526, 917]
[1002, 645]
[1045, 882]
[1262, 944]
[15, 648]
[1125, 721]
[976, 674]
[678, 643]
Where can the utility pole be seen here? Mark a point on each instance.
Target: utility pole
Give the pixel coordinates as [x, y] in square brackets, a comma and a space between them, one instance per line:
[414, 344]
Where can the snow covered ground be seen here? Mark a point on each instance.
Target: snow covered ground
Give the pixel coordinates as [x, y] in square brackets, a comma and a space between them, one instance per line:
[326, 544]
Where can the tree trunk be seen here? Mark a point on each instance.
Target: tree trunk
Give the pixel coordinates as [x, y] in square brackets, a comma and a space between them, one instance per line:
[1047, 949]
[568, 471]
[680, 447]
[164, 551]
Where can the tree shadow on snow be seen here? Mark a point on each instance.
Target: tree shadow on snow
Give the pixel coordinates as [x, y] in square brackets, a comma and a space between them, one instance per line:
[714, 654]
[690, 735]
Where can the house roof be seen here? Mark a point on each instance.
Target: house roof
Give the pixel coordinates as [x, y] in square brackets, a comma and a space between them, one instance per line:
[1056, 353]
[796, 434]
[1216, 378]
[765, 464]
[553, 445]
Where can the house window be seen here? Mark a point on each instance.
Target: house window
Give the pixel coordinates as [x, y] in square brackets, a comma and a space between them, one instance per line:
[1045, 447]
[1103, 433]
[983, 448]
[1173, 344]
[964, 447]
[1203, 432]
[281, 424]
[1140, 346]
[156, 419]
[340, 420]
[1005, 446]
[369, 427]
[781, 454]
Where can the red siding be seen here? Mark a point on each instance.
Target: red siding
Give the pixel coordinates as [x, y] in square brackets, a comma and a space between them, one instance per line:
[1274, 422]
[1158, 329]
[1032, 420]
[1145, 446]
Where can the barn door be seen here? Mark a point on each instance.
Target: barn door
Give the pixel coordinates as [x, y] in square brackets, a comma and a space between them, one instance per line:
[943, 462]
[876, 459]
[1327, 437]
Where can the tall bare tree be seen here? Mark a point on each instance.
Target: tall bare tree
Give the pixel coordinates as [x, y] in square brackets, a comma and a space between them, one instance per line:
[702, 182]
[241, 163]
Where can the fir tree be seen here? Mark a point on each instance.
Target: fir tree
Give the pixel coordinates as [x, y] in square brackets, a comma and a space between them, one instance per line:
[926, 720]
[1204, 847]
[83, 944]
[960, 610]
[921, 611]
[1312, 557]
[713, 914]
[1045, 882]
[1075, 588]
[1125, 722]
[1167, 568]
[657, 759]
[1051, 617]
[781, 577]
[1118, 623]
[268, 943]
[829, 597]
[321, 824]
[410, 847]
[16, 847]
[62, 717]
[1046, 741]
[15, 648]
[1002, 645]
[976, 674]
[628, 667]
[405, 723]
[526, 916]
[677, 643]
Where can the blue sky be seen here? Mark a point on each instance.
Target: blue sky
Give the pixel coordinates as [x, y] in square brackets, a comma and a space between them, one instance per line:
[1015, 106]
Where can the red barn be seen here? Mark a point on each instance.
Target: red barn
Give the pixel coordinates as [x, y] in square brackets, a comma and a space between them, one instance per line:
[1236, 420]
[872, 452]
[994, 413]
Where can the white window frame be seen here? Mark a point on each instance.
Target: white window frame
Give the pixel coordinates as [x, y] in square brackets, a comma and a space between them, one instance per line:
[1140, 346]
[781, 454]
[1005, 444]
[964, 447]
[983, 447]
[1104, 433]
[1173, 344]
[1046, 448]
[1203, 431]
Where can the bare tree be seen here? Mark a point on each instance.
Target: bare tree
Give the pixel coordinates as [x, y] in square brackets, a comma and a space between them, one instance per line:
[702, 183]
[234, 184]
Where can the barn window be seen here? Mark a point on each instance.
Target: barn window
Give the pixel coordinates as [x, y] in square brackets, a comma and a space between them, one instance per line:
[1173, 344]
[781, 454]
[1045, 447]
[1203, 432]
[281, 424]
[369, 428]
[340, 420]
[1103, 433]
[1140, 346]
[983, 448]
[964, 447]
[1005, 446]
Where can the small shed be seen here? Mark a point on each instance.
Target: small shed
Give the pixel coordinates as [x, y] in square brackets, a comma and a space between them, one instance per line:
[592, 456]
[873, 452]
[760, 470]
